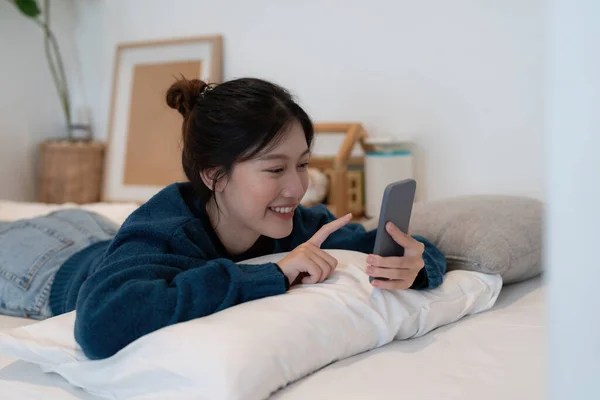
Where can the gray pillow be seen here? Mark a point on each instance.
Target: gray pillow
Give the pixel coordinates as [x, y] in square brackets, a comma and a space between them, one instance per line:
[486, 233]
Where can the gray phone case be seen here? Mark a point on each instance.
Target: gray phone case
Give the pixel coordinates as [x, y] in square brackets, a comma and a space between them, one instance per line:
[396, 206]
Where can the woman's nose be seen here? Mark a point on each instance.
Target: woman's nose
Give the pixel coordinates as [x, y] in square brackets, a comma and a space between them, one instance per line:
[295, 186]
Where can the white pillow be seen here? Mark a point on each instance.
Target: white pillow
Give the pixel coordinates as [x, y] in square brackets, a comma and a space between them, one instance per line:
[251, 350]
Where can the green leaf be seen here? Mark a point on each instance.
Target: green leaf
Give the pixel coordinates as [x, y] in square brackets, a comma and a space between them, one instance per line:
[28, 7]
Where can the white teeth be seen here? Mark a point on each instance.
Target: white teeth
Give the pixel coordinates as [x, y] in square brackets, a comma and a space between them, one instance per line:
[282, 210]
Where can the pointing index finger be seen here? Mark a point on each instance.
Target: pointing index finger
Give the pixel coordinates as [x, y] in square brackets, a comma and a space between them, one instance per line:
[322, 234]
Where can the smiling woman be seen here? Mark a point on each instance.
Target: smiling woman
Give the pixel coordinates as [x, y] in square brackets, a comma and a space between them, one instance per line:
[246, 146]
[255, 126]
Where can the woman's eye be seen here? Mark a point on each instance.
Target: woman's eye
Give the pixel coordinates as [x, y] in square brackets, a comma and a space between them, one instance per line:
[304, 165]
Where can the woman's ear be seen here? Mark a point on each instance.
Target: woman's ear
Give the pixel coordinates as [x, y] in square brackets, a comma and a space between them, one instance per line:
[211, 176]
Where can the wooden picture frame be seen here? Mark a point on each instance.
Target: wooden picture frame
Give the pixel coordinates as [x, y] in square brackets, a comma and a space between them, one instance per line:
[338, 165]
[144, 134]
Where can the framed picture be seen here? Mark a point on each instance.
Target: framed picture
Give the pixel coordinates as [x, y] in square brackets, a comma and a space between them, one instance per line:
[144, 134]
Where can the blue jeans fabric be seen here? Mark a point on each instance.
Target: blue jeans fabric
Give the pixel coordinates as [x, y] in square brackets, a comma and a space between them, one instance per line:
[32, 250]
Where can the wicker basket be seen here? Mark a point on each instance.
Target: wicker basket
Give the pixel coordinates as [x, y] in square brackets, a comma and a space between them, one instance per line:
[70, 172]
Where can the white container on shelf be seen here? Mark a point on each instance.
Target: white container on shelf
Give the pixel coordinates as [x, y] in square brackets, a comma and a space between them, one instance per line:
[386, 161]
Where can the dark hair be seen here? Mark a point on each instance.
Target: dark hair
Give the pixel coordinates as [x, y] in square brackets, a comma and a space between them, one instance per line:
[231, 122]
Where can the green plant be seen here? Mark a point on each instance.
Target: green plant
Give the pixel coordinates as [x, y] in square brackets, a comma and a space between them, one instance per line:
[31, 9]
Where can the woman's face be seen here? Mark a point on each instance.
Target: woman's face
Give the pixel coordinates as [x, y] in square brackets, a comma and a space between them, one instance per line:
[261, 194]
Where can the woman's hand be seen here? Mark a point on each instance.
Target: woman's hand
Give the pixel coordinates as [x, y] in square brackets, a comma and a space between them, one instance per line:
[308, 260]
[401, 271]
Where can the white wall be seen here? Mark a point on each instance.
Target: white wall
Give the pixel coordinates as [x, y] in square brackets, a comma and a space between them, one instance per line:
[573, 121]
[30, 110]
[463, 77]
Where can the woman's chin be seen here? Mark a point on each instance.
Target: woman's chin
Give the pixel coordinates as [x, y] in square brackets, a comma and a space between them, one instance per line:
[279, 230]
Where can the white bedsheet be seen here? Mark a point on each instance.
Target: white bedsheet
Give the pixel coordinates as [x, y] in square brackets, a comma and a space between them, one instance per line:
[14, 210]
[498, 354]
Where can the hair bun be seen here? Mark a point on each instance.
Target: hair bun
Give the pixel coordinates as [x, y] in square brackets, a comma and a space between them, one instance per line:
[183, 95]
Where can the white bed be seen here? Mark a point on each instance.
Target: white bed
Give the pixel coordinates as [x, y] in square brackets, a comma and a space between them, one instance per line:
[498, 354]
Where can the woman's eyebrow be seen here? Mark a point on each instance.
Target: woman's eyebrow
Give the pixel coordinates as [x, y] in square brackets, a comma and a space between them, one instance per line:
[267, 157]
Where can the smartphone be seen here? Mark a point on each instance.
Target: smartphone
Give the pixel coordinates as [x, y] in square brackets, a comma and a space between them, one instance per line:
[396, 207]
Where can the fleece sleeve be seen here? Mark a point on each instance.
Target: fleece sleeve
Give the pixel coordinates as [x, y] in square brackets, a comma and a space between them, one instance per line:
[141, 286]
